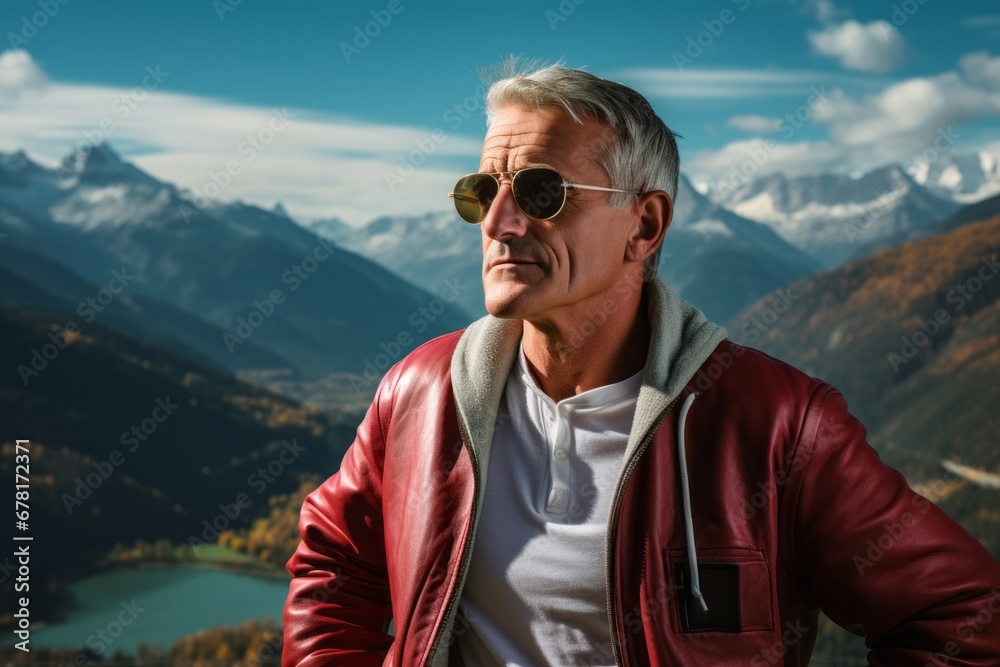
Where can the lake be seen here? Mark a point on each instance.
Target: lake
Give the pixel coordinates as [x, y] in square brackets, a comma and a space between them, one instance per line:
[159, 606]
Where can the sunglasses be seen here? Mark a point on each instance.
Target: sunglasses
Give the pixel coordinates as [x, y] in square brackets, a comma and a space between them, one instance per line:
[539, 192]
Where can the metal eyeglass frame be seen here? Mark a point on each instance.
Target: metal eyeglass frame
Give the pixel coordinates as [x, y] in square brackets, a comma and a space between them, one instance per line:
[498, 177]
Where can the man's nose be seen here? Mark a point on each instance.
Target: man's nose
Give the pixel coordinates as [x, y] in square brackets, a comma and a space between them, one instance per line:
[504, 218]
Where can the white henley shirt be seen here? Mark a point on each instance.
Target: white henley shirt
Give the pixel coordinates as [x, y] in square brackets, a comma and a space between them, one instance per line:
[535, 592]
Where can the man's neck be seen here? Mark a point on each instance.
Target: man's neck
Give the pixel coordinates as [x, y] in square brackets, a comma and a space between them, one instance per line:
[581, 353]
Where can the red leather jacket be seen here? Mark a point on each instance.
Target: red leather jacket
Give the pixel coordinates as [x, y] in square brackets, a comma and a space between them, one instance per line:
[792, 510]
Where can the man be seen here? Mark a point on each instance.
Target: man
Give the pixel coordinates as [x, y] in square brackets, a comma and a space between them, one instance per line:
[566, 480]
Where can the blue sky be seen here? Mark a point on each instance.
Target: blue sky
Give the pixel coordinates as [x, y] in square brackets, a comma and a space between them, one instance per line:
[179, 86]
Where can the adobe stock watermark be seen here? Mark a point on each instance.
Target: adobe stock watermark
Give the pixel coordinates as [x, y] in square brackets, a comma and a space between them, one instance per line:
[794, 462]
[121, 108]
[892, 533]
[900, 15]
[59, 340]
[720, 362]
[37, 21]
[775, 653]
[562, 12]
[258, 480]
[263, 309]
[248, 148]
[696, 44]
[760, 322]
[266, 650]
[757, 157]
[438, 476]
[132, 438]
[103, 638]
[974, 625]
[428, 145]
[581, 331]
[419, 320]
[885, 201]
[363, 35]
[943, 142]
[968, 628]
[637, 619]
[223, 7]
[959, 296]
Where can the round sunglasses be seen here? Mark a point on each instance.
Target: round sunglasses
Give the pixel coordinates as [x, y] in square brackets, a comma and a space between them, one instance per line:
[539, 192]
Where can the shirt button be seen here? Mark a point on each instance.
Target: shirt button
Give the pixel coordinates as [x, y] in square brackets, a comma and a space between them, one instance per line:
[560, 454]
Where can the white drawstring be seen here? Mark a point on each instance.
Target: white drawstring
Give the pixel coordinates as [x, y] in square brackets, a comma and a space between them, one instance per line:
[686, 497]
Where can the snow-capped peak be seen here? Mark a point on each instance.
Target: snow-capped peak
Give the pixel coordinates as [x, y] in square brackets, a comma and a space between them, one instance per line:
[964, 178]
[99, 164]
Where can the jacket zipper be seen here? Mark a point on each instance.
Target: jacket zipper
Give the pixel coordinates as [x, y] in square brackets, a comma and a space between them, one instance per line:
[613, 524]
[463, 565]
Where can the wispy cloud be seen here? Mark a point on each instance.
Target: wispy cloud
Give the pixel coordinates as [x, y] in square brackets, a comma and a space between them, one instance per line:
[754, 123]
[823, 11]
[670, 83]
[991, 21]
[319, 165]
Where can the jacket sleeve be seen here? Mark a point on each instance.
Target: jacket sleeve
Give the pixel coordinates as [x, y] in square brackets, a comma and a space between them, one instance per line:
[338, 608]
[880, 559]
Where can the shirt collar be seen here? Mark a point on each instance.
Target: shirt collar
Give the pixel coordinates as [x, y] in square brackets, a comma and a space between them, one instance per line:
[598, 398]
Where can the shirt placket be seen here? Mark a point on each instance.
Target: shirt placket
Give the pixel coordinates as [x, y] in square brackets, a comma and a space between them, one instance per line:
[559, 449]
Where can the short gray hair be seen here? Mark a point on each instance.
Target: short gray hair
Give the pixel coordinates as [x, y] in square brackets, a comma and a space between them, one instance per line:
[643, 157]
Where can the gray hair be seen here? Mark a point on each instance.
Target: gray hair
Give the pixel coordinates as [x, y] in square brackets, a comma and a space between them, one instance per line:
[643, 157]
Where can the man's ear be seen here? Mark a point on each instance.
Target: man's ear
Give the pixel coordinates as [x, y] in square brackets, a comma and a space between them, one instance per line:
[655, 210]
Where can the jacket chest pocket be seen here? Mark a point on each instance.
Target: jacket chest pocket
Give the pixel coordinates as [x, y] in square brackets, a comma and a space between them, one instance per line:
[736, 585]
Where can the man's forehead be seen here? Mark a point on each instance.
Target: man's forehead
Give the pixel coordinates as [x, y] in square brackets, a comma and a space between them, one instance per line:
[528, 134]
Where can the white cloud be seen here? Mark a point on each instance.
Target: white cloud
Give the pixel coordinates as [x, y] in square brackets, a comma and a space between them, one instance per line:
[908, 114]
[19, 73]
[871, 47]
[318, 166]
[756, 157]
[754, 123]
[980, 69]
[894, 125]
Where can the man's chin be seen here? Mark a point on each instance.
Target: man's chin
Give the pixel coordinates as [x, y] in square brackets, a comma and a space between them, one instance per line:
[510, 300]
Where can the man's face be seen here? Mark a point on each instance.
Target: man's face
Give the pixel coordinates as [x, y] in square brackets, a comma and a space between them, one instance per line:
[540, 269]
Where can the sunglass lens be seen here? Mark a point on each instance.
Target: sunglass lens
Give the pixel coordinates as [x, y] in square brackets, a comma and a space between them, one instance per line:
[473, 195]
[539, 192]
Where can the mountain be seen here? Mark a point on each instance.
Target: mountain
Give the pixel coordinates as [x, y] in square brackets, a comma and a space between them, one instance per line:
[911, 336]
[334, 229]
[829, 216]
[30, 279]
[91, 187]
[428, 250]
[254, 276]
[131, 441]
[84, 391]
[722, 262]
[963, 178]
[981, 210]
[715, 258]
